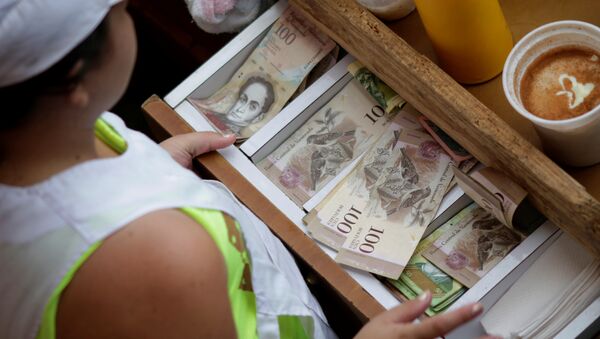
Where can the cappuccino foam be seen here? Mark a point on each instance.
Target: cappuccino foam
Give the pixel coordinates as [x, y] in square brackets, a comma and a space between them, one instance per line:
[562, 83]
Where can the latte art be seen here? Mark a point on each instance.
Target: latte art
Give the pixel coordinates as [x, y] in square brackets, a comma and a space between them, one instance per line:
[578, 91]
[563, 83]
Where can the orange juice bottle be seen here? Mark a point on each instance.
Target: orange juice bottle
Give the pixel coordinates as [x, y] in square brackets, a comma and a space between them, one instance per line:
[470, 37]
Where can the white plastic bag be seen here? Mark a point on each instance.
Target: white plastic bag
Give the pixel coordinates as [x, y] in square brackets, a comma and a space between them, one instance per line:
[220, 16]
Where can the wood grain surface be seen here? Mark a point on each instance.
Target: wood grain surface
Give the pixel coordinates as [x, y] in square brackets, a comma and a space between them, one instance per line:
[164, 122]
[475, 126]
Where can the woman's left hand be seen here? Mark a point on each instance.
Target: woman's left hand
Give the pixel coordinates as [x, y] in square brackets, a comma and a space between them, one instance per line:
[185, 147]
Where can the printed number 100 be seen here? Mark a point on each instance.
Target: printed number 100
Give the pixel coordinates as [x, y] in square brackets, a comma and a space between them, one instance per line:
[372, 238]
[285, 34]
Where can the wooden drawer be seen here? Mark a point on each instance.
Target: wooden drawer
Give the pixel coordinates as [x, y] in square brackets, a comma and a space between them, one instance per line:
[502, 140]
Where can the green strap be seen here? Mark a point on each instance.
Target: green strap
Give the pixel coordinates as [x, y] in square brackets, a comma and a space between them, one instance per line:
[107, 134]
[48, 325]
[226, 234]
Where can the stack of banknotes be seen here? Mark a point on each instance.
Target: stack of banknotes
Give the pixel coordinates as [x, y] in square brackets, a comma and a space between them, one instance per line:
[397, 166]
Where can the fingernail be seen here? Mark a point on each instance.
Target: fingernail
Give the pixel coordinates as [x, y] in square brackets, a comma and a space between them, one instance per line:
[477, 308]
[424, 296]
[229, 135]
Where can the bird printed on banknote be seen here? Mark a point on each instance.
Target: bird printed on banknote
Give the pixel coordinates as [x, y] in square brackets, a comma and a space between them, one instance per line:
[495, 239]
[400, 190]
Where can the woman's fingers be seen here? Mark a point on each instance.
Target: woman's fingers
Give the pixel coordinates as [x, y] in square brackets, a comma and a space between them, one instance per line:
[408, 311]
[202, 142]
[185, 147]
[444, 323]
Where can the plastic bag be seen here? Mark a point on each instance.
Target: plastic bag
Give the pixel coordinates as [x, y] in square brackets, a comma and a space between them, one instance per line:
[220, 16]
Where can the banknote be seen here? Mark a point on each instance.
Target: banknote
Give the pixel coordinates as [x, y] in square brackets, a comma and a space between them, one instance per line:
[333, 217]
[472, 246]
[264, 83]
[382, 93]
[405, 199]
[409, 294]
[318, 71]
[331, 139]
[420, 275]
[503, 198]
[453, 148]
[465, 167]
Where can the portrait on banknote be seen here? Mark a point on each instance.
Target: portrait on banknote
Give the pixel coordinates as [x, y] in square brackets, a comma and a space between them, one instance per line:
[253, 101]
[267, 79]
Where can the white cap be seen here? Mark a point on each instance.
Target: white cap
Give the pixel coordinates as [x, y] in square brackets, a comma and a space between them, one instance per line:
[36, 34]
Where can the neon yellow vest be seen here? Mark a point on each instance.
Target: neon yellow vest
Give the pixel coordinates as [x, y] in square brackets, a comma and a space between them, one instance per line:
[226, 234]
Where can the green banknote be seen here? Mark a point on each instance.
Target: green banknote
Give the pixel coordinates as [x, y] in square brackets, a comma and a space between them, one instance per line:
[421, 275]
[431, 310]
[382, 93]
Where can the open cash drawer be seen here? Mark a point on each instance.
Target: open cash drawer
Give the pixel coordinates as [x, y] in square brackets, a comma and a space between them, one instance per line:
[361, 291]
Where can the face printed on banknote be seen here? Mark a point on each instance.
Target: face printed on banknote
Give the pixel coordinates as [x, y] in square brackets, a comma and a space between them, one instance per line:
[268, 78]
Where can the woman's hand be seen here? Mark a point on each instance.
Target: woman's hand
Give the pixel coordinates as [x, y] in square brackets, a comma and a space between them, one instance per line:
[185, 147]
[398, 321]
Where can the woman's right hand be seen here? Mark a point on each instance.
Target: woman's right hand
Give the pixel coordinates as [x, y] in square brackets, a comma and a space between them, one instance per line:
[398, 321]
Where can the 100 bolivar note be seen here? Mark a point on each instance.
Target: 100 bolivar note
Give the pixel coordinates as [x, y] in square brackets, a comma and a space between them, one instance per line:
[403, 201]
[334, 136]
[421, 275]
[472, 246]
[333, 218]
[268, 78]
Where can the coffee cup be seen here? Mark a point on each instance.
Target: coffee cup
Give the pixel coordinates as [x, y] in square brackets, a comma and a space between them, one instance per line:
[575, 139]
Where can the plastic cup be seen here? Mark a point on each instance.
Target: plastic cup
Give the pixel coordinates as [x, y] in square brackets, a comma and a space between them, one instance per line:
[574, 141]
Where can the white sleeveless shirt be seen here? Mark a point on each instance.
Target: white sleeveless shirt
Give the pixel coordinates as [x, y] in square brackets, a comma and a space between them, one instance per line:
[45, 228]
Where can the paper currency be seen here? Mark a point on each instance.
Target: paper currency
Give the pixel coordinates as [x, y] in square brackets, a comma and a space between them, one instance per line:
[502, 197]
[420, 275]
[334, 136]
[432, 310]
[382, 93]
[465, 167]
[333, 218]
[268, 78]
[405, 198]
[318, 71]
[454, 149]
[473, 246]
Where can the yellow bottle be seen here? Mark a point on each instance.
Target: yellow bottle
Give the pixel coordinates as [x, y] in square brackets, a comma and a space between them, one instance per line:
[470, 37]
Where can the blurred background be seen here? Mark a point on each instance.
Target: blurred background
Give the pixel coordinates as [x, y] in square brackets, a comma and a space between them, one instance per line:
[170, 48]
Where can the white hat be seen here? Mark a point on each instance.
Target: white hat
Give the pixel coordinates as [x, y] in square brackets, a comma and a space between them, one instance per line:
[36, 34]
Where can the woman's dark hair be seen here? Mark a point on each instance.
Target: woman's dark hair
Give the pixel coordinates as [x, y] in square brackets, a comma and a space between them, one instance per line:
[18, 100]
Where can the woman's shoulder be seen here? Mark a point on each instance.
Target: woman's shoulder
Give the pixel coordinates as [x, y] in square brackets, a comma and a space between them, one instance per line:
[160, 276]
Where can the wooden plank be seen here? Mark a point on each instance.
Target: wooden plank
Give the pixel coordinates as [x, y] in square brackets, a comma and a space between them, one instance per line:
[562, 199]
[165, 120]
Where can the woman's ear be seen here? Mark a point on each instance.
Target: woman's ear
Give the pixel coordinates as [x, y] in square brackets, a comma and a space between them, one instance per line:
[78, 95]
